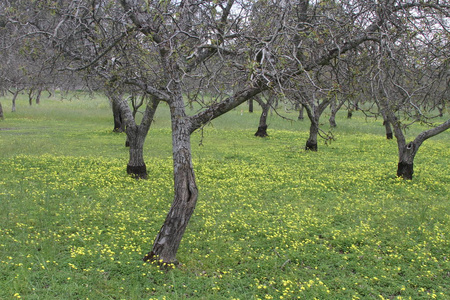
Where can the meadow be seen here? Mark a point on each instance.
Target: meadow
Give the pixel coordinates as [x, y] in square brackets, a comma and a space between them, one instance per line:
[272, 222]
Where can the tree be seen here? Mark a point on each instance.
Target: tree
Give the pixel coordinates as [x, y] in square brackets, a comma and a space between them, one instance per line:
[265, 104]
[136, 134]
[218, 54]
[321, 39]
[409, 72]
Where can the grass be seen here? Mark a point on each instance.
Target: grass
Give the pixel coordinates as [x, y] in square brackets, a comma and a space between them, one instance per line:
[272, 221]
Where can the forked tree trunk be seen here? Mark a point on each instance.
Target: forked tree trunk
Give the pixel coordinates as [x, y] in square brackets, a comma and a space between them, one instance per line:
[407, 152]
[136, 134]
[169, 237]
[334, 109]
[314, 112]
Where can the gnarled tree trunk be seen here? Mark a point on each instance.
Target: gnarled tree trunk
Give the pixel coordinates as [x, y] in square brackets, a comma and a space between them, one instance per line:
[265, 106]
[136, 134]
[407, 151]
[405, 167]
[169, 237]
[314, 112]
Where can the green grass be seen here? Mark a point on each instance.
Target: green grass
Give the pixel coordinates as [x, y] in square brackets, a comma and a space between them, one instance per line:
[272, 221]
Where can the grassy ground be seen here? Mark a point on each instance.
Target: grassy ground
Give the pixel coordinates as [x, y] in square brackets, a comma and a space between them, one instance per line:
[272, 221]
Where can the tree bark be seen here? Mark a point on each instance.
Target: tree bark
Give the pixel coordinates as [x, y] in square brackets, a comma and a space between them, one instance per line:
[300, 113]
[169, 237]
[311, 143]
[136, 166]
[136, 134]
[119, 125]
[407, 152]
[388, 128]
[1, 112]
[38, 96]
[349, 113]
[13, 106]
[405, 168]
[314, 112]
[332, 119]
[250, 105]
[386, 122]
[265, 106]
[335, 107]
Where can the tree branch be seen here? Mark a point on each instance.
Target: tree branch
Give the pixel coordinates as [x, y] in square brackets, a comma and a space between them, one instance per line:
[224, 106]
[431, 132]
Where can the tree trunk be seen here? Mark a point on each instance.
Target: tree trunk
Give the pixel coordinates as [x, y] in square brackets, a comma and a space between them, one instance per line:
[38, 96]
[262, 127]
[407, 151]
[333, 108]
[136, 134]
[349, 113]
[405, 167]
[1, 112]
[169, 237]
[250, 105]
[136, 166]
[311, 143]
[314, 112]
[386, 123]
[387, 126]
[30, 97]
[441, 108]
[300, 113]
[13, 107]
[119, 125]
